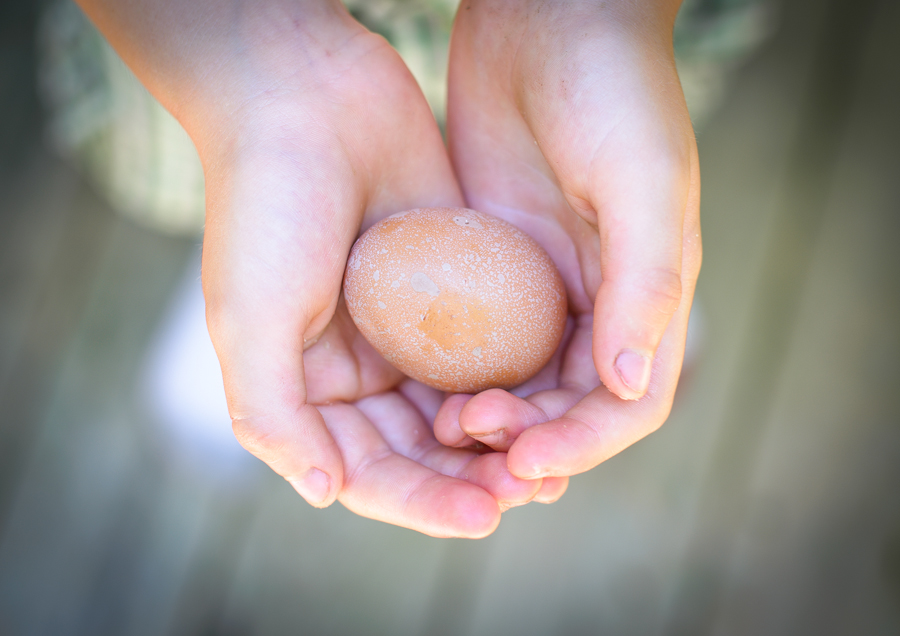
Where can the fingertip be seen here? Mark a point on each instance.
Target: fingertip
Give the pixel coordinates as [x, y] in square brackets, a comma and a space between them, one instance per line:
[559, 448]
[446, 423]
[496, 418]
[552, 489]
[632, 313]
[633, 369]
[491, 473]
[524, 459]
[300, 448]
[482, 518]
[624, 371]
[467, 512]
[316, 488]
[486, 412]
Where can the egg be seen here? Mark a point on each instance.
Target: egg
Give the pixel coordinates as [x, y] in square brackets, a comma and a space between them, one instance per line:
[459, 300]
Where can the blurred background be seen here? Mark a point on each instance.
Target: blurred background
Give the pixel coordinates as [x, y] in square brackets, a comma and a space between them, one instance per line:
[768, 504]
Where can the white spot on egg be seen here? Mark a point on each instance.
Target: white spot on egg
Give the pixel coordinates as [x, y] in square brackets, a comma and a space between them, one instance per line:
[466, 221]
[422, 284]
[376, 274]
[446, 267]
[381, 305]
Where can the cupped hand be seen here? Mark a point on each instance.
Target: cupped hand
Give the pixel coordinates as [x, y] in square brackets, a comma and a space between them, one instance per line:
[568, 120]
[330, 134]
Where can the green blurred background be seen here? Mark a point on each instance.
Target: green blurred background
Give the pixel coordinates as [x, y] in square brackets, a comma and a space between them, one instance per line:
[768, 504]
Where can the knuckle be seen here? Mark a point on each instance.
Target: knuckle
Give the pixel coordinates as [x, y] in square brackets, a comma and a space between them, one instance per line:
[661, 400]
[257, 438]
[221, 316]
[662, 289]
[659, 416]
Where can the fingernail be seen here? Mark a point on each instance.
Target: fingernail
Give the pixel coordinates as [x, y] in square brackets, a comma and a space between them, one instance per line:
[494, 438]
[634, 370]
[536, 472]
[506, 505]
[314, 487]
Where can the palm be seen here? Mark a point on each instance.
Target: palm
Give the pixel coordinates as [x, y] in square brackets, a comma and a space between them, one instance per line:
[394, 468]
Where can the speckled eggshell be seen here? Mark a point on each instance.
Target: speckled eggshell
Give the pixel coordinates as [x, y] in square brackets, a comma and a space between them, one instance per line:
[459, 300]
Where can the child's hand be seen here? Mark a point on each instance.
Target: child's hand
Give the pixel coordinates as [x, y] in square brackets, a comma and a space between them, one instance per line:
[345, 140]
[309, 126]
[568, 120]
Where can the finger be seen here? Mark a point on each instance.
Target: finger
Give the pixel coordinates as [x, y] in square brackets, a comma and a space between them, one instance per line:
[601, 424]
[489, 471]
[496, 418]
[342, 366]
[406, 433]
[260, 310]
[446, 423]
[384, 485]
[270, 416]
[552, 488]
[640, 198]
[424, 398]
[275, 424]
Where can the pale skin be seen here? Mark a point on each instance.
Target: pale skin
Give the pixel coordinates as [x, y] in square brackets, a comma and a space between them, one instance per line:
[566, 119]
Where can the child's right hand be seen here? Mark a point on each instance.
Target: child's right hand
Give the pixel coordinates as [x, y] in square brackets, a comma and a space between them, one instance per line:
[567, 119]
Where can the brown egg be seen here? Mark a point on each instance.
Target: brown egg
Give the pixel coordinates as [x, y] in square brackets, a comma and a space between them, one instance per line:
[459, 300]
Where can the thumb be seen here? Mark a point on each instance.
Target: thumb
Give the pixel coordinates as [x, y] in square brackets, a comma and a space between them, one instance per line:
[272, 265]
[640, 198]
[264, 382]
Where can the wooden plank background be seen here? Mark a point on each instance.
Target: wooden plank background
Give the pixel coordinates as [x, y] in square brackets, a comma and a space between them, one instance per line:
[768, 504]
